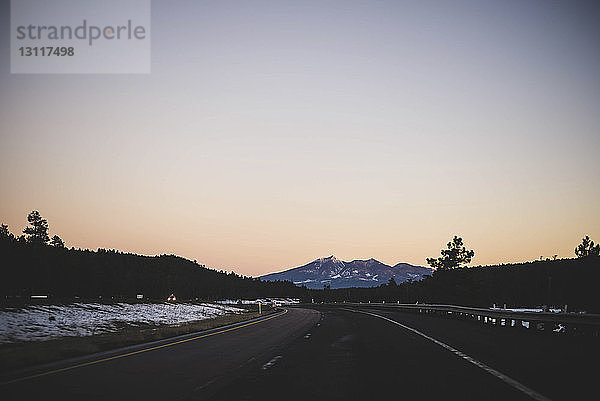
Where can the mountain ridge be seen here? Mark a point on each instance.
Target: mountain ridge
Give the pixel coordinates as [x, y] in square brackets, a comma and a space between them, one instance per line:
[356, 273]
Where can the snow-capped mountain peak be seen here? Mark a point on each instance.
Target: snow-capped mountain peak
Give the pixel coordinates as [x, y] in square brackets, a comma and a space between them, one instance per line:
[357, 273]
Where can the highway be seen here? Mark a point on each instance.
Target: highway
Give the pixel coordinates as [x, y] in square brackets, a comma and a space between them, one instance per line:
[329, 353]
[188, 367]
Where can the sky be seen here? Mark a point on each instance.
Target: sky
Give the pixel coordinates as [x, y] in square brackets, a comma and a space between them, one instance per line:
[271, 133]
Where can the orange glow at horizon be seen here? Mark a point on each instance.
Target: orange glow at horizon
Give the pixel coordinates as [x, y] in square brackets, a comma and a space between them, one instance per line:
[267, 137]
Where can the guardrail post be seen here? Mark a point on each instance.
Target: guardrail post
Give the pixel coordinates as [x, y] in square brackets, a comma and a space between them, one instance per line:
[545, 322]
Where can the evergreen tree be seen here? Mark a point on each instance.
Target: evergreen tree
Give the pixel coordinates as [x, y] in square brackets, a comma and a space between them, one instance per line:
[57, 242]
[587, 248]
[37, 233]
[6, 235]
[453, 257]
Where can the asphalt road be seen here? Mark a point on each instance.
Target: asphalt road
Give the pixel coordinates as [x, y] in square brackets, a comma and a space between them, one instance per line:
[188, 367]
[356, 356]
[327, 353]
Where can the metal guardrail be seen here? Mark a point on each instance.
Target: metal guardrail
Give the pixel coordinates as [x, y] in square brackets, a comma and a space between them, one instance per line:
[556, 321]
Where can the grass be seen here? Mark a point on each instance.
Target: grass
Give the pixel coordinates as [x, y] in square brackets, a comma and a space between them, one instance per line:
[21, 355]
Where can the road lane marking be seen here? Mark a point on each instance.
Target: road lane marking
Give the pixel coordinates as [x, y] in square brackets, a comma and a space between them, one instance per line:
[205, 385]
[81, 365]
[271, 362]
[511, 382]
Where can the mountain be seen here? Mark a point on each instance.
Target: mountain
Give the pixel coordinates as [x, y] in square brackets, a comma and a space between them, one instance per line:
[357, 273]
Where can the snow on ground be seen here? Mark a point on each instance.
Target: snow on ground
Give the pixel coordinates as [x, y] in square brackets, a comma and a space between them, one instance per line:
[278, 301]
[39, 323]
[236, 301]
[555, 310]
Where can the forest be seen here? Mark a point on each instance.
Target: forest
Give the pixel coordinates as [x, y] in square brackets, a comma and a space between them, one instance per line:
[35, 264]
[572, 282]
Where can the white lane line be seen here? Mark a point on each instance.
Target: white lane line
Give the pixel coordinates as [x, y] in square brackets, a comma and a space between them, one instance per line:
[271, 362]
[307, 336]
[511, 382]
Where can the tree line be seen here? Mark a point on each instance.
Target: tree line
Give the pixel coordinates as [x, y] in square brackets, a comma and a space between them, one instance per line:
[572, 282]
[34, 263]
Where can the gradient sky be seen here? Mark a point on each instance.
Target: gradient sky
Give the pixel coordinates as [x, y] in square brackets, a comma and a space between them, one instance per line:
[272, 133]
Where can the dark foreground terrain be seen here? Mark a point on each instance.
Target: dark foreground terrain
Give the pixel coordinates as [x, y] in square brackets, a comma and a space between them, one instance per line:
[327, 353]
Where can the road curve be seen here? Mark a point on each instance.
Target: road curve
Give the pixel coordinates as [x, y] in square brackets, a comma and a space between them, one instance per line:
[187, 367]
[333, 353]
[357, 356]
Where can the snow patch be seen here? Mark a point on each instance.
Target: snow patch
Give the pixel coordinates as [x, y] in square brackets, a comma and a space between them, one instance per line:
[304, 281]
[554, 310]
[40, 323]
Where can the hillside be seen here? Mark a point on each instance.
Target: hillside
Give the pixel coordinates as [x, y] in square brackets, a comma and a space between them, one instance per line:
[107, 275]
[64, 274]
